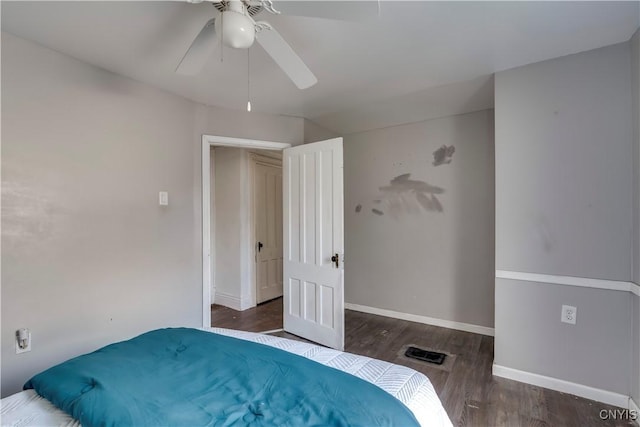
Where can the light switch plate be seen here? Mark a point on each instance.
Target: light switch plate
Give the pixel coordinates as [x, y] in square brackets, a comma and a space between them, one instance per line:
[164, 198]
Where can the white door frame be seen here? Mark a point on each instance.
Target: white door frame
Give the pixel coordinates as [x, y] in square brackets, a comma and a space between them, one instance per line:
[208, 265]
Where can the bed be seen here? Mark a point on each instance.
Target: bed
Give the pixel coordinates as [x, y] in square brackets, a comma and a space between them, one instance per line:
[411, 391]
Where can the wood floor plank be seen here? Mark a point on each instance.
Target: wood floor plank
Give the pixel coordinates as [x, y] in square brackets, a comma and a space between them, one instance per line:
[469, 392]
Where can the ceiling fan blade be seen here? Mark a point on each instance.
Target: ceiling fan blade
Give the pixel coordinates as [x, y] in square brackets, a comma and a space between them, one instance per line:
[200, 50]
[285, 57]
[340, 10]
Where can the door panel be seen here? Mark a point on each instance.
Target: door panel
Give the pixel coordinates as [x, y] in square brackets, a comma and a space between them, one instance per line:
[313, 234]
[268, 231]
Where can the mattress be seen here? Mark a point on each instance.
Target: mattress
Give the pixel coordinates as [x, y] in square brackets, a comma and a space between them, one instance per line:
[412, 388]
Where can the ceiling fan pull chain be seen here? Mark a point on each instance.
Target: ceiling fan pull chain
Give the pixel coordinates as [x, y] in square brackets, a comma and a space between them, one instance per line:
[222, 38]
[248, 82]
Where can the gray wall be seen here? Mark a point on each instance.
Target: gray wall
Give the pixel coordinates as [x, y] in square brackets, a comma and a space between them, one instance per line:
[635, 384]
[531, 338]
[242, 124]
[564, 164]
[564, 207]
[314, 132]
[635, 82]
[88, 256]
[416, 260]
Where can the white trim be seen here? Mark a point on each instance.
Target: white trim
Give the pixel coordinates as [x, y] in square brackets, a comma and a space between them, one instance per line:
[251, 238]
[583, 282]
[212, 225]
[265, 160]
[603, 396]
[207, 142]
[226, 141]
[230, 301]
[633, 406]
[247, 284]
[206, 237]
[467, 327]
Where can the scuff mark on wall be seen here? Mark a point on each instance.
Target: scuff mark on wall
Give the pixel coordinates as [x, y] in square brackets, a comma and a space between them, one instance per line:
[26, 213]
[443, 155]
[358, 208]
[543, 229]
[377, 212]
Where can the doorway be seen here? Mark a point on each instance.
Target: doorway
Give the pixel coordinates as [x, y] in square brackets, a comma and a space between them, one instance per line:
[208, 220]
[313, 241]
[246, 217]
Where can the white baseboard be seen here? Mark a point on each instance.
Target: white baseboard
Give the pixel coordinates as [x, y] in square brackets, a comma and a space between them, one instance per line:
[245, 305]
[232, 301]
[467, 327]
[604, 396]
[228, 301]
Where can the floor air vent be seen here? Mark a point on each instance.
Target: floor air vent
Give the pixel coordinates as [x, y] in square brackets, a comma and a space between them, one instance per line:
[426, 355]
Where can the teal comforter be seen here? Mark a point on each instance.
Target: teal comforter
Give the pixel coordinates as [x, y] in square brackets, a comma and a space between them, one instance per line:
[188, 377]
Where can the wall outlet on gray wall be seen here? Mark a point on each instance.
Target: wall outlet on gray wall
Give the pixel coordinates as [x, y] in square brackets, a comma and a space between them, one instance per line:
[23, 340]
[569, 314]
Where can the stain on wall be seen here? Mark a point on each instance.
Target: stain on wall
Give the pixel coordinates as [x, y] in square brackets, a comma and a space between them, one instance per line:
[406, 196]
[443, 155]
[545, 234]
[402, 183]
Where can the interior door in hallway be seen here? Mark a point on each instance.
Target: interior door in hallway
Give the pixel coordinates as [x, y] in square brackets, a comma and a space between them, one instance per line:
[268, 228]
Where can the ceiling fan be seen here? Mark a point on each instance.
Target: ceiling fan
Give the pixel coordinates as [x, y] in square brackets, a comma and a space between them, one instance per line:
[237, 29]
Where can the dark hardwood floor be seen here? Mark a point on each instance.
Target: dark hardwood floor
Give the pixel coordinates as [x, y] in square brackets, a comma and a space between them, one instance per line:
[469, 392]
[264, 317]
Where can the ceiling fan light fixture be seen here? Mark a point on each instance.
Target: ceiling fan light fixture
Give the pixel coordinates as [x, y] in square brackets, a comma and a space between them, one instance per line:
[238, 30]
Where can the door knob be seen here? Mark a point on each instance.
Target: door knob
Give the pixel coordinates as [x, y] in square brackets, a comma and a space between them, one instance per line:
[336, 259]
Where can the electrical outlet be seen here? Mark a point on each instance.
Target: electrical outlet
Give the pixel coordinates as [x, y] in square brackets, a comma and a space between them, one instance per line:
[27, 335]
[569, 314]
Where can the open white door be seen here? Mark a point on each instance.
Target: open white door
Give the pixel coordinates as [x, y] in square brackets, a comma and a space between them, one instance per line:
[314, 242]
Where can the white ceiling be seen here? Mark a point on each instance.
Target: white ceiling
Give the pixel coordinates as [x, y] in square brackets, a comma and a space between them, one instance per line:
[415, 58]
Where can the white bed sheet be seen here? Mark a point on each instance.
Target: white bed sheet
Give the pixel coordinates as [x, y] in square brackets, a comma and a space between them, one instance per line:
[28, 409]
